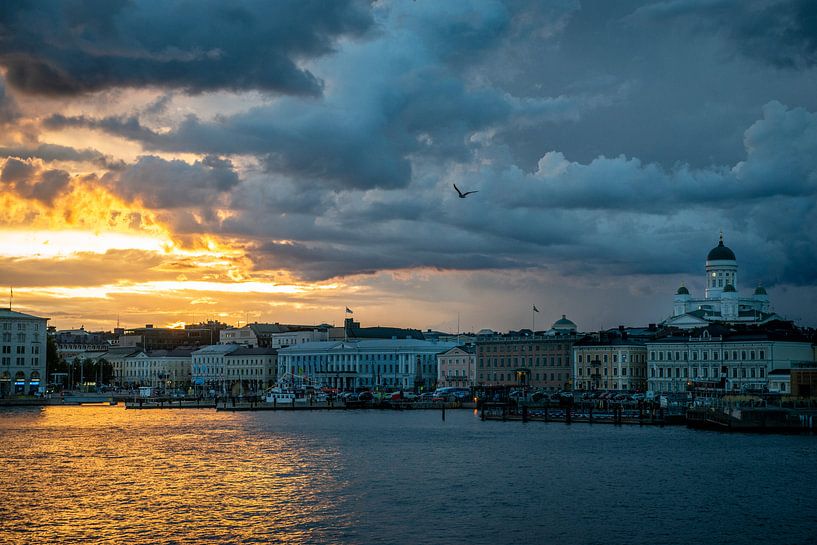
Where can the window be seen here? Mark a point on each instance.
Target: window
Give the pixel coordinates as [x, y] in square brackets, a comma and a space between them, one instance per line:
[763, 354]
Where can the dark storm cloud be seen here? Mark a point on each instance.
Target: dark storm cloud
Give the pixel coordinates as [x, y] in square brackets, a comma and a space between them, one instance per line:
[55, 152]
[69, 47]
[17, 171]
[608, 139]
[164, 184]
[29, 180]
[8, 107]
[780, 32]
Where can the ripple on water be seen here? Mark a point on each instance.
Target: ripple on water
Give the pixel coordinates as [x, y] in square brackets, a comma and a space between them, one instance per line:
[106, 475]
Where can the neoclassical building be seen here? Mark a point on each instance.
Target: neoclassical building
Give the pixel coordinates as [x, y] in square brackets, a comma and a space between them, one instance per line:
[722, 301]
[22, 364]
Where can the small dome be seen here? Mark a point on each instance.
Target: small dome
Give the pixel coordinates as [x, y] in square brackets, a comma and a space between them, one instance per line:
[682, 291]
[563, 323]
[760, 290]
[729, 288]
[720, 253]
[485, 332]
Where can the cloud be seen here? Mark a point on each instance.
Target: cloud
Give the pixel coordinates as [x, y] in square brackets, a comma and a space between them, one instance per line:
[67, 48]
[8, 107]
[56, 152]
[782, 33]
[29, 180]
[163, 184]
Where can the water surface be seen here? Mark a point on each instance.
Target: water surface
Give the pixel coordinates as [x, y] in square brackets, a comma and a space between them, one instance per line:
[107, 475]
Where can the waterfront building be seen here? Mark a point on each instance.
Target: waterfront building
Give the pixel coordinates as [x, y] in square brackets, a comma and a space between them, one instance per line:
[250, 370]
[408, 364]
[117, 357]
[273, 335]
[717, 357]
[162, 369]
[22, 353]
[231, 369]
[609, 362]
[73, 343]
[527, 359]
[457, 367]
[721, 301]
[208, 367]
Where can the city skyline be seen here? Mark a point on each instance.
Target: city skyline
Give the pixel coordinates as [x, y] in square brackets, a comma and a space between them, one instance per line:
[281, 162]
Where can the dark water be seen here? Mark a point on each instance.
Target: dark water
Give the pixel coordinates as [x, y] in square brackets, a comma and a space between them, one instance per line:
[106, 475]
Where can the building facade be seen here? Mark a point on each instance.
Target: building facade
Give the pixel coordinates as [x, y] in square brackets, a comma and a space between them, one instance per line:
[457, 367]
[273, 335]
[22, 353]
[408, 364]
[537, 360]
[249, 371]
[609, 364]
[721, 359]
[165, 370]
[230, 369]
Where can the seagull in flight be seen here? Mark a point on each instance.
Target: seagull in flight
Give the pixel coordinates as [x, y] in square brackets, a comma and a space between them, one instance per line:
[461, 194]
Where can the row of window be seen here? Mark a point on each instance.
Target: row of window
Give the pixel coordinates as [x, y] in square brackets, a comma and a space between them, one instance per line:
[500, 377]
[635, 371]
[22, 326]
[521, 348]
[534, 362]
[706, 355]
[21, 338]
[635, 358]
[6, 360]
[705, 372]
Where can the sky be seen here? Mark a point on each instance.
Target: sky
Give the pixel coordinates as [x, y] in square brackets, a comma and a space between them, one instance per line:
[174, 161]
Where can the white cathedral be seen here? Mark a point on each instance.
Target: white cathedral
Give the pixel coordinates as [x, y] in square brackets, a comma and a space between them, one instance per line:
[721, 302]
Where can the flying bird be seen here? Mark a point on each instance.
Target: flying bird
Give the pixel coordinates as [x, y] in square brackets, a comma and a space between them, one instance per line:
[461, 194]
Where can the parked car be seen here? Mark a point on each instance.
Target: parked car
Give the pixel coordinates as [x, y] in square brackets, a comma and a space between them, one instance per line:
[365, 396]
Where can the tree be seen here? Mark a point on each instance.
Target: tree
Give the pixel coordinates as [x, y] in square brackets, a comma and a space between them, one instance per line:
[54, 363]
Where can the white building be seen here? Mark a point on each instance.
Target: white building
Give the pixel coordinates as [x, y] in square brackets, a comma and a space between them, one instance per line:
[272, 335]
[367, 363]
[22, 353]
[457, 367]
[162, 369]
[231, 369]
[722, 301]
[731, 361]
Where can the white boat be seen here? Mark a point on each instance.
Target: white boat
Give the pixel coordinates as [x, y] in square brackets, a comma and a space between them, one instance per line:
[280, 396]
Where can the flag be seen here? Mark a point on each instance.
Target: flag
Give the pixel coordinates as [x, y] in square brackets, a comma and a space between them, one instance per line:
[349, 311]
[535, 309]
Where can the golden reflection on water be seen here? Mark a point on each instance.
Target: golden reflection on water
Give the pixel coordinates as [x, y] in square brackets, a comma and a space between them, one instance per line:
[106, 475]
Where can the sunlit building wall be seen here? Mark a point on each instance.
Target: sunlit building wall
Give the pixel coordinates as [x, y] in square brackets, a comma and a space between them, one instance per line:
[22, 353]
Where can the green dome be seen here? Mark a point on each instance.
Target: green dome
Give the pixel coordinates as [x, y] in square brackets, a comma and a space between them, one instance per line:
[682, 291]
[760, 290]
[729, 288]
[563, 323]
